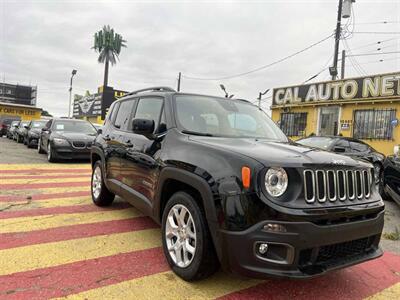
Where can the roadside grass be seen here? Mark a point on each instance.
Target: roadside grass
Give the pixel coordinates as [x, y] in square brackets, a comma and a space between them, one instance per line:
[393, 236]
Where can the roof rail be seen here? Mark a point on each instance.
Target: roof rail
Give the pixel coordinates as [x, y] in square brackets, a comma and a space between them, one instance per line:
[153, 89]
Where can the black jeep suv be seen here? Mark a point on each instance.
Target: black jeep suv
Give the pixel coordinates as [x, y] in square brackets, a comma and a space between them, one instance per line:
[229, 188]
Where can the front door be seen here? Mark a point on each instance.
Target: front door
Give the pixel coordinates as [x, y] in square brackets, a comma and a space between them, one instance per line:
[328, 120]
[139, 165]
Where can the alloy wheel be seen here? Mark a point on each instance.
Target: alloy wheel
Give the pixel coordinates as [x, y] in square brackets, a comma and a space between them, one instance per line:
[180, 235]
[49, 151]
[96, 182]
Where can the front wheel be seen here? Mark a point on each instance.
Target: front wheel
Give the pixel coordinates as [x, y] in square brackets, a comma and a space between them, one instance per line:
[101, 196]
[187, 242]
[51, 157]
[39, 147]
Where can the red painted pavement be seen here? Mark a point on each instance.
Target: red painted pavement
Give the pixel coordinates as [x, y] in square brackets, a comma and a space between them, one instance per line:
[19, 239]
[356, 282]
[55, 196]
[41, 171]
[27, 186]
[44, 176]
[83, 275]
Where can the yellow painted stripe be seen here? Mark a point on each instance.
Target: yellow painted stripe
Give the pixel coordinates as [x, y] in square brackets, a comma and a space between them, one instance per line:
[49, 190]
[392, 292]
[53, 254]
[24, 224]
[48, 203]
[43, 166]
[167, 285]
[43, 174]
[44, 180]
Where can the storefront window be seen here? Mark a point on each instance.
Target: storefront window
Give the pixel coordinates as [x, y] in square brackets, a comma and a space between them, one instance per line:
[293, 124]
[373, 124]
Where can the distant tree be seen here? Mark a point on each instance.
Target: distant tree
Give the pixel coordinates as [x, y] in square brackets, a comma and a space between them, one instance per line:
[45, 113]
[108, 44]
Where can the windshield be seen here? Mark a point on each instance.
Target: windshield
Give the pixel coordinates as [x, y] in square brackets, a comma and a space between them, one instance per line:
[74, 126]
[38, 124]
[224, 117]
[317, 142]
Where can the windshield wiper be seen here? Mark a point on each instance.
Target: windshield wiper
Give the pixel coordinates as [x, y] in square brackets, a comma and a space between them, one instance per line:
[196, 133]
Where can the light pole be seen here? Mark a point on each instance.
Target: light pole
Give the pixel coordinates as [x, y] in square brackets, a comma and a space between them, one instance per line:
[70, 92]
[260, 94]
[344, 11]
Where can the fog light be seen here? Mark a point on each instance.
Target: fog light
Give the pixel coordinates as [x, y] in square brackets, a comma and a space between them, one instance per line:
[274, 227]
[263, 248]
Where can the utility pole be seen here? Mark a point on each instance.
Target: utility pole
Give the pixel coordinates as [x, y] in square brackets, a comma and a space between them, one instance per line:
[333, 69]
[346, 14]
[70, 93]
[260, 94]
[343, 64]
[179, 81]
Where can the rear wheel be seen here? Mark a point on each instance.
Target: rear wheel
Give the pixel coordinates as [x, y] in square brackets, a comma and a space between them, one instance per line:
[187, 242]
[101, 196]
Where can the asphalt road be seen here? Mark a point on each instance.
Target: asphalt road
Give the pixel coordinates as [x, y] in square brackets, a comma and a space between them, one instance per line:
[55, 243]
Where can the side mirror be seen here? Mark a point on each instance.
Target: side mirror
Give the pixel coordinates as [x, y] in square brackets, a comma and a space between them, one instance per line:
[143, 126]
[339, 149]
[45, 129]
[26, 127]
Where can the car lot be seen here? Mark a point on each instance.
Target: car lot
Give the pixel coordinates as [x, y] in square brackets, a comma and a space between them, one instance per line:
[55, 243]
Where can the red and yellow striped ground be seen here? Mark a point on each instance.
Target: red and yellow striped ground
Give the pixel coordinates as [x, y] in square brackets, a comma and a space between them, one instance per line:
[55, 243]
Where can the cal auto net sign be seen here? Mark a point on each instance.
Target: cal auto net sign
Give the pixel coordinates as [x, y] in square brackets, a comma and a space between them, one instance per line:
[362, 88]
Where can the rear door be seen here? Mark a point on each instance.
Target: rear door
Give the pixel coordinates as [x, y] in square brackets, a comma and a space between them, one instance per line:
[114, 137]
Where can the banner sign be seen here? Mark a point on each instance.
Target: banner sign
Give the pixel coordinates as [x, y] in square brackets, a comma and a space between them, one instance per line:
[363, 88]
[17, 94]
[88, 105]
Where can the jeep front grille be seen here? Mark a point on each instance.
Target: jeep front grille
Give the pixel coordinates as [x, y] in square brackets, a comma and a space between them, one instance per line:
[336, 185]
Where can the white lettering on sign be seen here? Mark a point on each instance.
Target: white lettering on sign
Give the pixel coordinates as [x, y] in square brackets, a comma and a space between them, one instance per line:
[387, 85]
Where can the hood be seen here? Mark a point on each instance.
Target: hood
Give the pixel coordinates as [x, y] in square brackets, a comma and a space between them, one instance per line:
[278, 153]
[74, 136]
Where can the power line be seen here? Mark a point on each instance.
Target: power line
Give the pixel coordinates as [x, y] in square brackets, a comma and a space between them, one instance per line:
[381, 22]
[262, 67]
[378, 32]
[368, 54]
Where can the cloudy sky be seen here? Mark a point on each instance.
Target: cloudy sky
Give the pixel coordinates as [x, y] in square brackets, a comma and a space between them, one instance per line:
[42, 41]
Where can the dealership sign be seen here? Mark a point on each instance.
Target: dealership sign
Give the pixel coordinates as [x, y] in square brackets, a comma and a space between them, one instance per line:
[88, 105]
[370, 87]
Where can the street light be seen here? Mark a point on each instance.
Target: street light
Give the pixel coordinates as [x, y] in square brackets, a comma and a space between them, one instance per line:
[260, 94]
[70, 92]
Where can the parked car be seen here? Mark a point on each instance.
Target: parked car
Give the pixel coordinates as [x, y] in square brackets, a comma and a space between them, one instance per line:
[13, 127]
[391, 175]
[348, 146]
[21, 131]
[66, 139]
[5, 122]
[31, 136]
[228, 187]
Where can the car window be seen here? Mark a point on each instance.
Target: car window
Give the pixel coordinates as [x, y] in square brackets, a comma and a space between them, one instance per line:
[124, 114]
[358, 147]
[74, 126]
[150, 109]
[343, 144]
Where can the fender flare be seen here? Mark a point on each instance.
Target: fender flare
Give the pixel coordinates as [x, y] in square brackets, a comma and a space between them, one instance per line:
[201, 185]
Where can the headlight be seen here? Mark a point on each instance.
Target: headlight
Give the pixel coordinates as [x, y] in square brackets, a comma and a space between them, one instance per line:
[377, 172]
[276, 181]
[58, 141]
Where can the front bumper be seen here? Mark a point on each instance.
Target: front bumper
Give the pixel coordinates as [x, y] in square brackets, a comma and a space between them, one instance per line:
[68, 152]
[305, 250]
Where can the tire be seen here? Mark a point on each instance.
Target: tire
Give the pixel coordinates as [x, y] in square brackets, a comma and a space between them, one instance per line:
[101, 196]
[39, 148]
[26, 142]
[51, 157]
[203, 262]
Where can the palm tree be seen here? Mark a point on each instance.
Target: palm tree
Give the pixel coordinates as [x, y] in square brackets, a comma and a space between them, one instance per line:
[108, 44]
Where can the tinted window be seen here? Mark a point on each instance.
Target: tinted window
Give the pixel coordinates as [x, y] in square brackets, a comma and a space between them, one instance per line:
[149, 108]
[358, 147]
[317, 142]
[343, 144]
[123, 115]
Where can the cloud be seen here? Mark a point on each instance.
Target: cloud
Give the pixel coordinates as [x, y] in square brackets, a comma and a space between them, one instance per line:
[42, 41]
